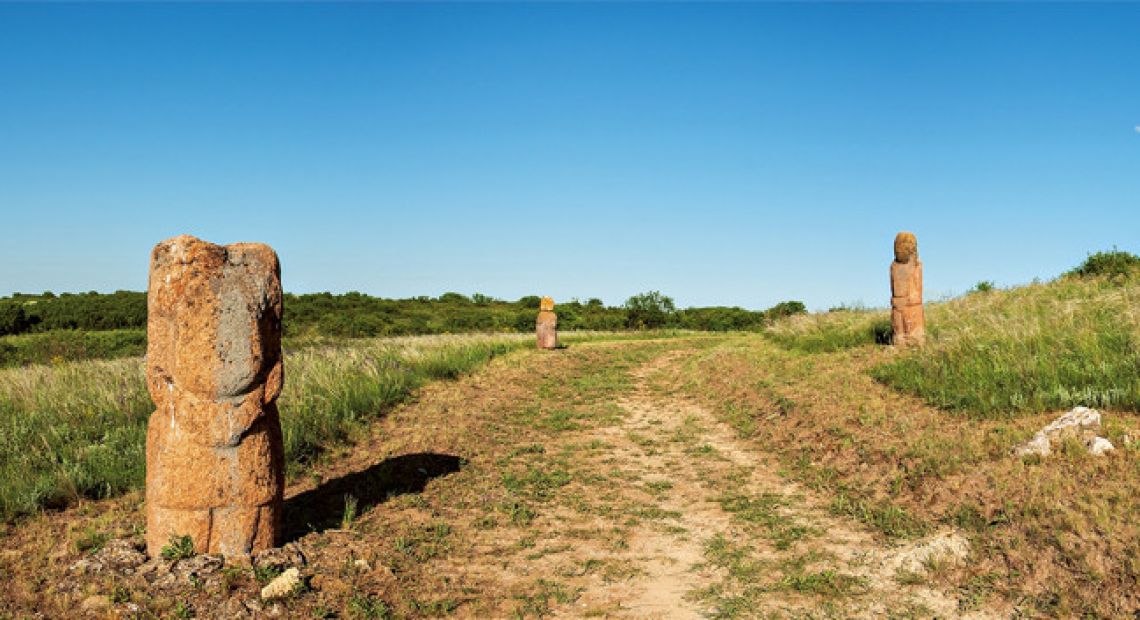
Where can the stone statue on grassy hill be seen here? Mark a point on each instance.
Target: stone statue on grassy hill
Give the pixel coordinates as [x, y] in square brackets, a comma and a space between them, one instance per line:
[214, 451]
[547, 325]
[907, 319]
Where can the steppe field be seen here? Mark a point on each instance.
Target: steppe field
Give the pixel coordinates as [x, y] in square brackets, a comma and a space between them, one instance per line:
[802, 469]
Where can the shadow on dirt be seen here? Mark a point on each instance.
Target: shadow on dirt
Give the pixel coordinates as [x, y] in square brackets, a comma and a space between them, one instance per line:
[323, 508]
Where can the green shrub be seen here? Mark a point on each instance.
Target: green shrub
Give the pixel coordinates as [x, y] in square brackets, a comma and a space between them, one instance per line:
[12, 318]
[178, 548]
[983, 286]
[649, 310]
[786, 309]
[1114, 263]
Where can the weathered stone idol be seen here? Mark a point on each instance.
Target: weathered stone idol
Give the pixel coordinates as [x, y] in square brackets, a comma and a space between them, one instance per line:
[547, 325]
[214, 452]
[907, 319]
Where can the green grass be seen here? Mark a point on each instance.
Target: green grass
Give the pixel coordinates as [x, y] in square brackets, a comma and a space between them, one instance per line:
[78, 429]
[763, 511]
[70, 345]
[828, 582]
[833, 331]
[996, 353]
[1073, 341]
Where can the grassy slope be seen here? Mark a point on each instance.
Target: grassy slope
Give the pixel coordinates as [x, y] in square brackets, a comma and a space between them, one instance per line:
[1056, 537]
[1036, 348]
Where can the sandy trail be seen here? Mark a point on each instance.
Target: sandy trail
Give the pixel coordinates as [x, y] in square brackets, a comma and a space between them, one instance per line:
[676, 443]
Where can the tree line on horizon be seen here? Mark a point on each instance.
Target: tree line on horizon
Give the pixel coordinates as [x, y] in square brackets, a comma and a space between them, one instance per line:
[357, 315]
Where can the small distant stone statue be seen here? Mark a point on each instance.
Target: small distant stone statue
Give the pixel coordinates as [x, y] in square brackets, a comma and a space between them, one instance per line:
[214, 451]
[547, 325]
[907, 319]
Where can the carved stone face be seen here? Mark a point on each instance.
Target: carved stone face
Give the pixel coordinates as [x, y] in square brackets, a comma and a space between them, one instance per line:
[906, 247]
[546, 305]
[213, 312]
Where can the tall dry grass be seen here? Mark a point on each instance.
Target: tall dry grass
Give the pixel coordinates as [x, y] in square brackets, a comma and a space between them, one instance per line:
[78, 429]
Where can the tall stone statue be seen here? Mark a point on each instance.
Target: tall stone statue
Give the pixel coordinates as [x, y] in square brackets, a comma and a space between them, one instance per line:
[907, 320]
[214, 451]
[547, 325]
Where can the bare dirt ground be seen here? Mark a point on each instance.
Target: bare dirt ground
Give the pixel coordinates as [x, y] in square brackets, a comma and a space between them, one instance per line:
[575, 483]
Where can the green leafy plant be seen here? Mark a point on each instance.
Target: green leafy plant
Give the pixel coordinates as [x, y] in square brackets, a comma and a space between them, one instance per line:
[178, 548]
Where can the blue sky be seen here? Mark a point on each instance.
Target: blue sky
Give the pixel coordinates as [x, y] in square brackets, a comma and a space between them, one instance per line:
[736, 154]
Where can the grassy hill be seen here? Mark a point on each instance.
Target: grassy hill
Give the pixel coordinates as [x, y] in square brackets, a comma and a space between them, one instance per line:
[992, 353]
[918, 441]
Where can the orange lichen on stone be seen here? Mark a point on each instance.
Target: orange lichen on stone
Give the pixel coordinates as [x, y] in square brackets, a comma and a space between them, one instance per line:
[908, 322]
[546, 327]
[214, 454]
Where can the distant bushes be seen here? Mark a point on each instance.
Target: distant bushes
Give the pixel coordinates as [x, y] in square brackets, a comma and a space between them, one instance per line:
[650, 310]
[983, 286]
[1114, 263]
[356, 315]
[90, 311]
[13, 320]
[720, 319]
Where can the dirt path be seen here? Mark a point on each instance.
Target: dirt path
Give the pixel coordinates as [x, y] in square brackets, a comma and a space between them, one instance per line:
[575, 484]
[723, 498]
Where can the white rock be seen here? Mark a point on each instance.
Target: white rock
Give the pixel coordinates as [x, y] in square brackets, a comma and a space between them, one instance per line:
[1080, 422]
[1039, 445]
[284, 585]
[1078, 419]
[1100, 445]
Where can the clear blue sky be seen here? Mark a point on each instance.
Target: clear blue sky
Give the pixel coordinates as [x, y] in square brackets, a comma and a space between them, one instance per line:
[736, 154]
